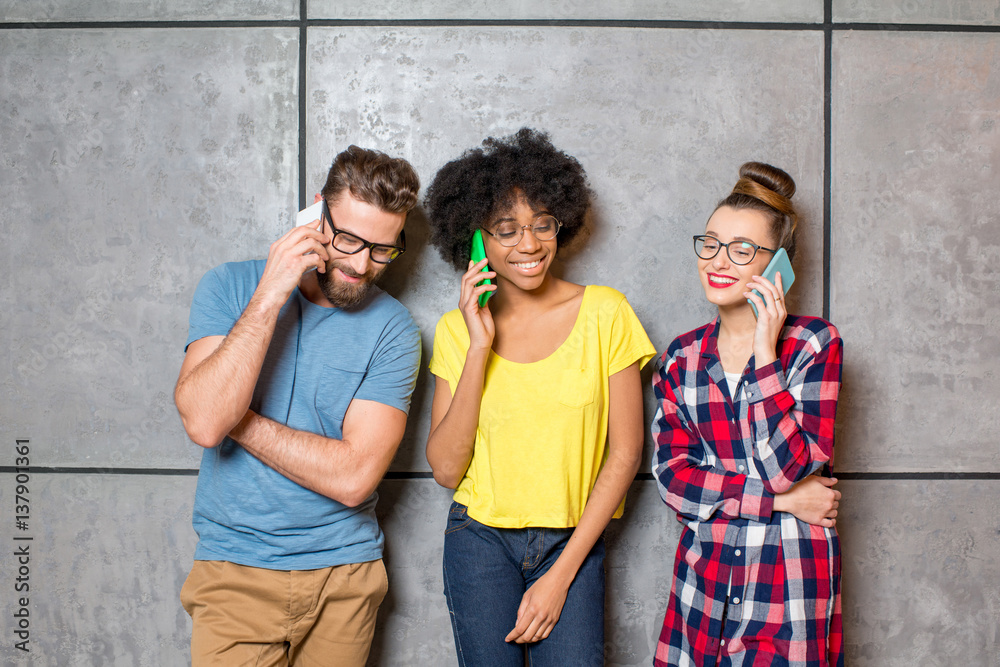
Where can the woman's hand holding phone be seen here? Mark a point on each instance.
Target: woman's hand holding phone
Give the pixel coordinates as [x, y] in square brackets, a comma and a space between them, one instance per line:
[767, 299]
[478, 253]
[478, 320]
[771, 315]
[780, 263]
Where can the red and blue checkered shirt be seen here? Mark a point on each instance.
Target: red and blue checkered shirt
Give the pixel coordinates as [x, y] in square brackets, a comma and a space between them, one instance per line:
[751, 586]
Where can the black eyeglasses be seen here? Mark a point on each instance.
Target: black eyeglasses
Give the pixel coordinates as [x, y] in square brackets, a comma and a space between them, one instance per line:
[349, 244]
[509, 234]
[740, 252]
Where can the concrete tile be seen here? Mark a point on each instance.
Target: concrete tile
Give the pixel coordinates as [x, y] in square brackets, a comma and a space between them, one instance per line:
[640, 563]
[947, 12]
[108, 556]
[37, 11]
[134, 161]
[920, 566]
[661, 120]
[414, 627]
[915, 290]
[636, 10]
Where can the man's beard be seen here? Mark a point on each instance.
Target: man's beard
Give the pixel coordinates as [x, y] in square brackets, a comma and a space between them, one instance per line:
[343, 294]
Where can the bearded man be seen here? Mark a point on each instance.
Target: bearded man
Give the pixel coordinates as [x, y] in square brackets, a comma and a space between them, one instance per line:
[296, 381]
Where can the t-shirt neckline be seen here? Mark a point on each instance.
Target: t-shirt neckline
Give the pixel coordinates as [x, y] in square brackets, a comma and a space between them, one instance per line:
[576, 324]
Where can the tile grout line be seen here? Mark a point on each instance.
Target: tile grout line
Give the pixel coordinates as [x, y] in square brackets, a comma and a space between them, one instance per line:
[303, 22]
[394, 475]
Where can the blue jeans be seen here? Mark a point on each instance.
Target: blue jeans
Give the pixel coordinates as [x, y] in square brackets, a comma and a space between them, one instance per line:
[486, 572]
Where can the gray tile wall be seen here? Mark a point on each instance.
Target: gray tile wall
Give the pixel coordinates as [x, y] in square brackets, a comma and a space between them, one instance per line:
[944, 12]
[137, 154]
[916, 149]
[573, 10]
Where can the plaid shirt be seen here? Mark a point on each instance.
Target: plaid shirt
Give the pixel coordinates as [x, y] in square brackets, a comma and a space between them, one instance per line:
[751, 586]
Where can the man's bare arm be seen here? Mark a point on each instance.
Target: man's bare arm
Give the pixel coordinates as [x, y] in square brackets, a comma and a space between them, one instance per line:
[219, 373]
[218, 377]
[346, 470]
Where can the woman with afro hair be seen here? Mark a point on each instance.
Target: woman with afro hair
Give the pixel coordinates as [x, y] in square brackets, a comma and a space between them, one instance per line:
[537, 416]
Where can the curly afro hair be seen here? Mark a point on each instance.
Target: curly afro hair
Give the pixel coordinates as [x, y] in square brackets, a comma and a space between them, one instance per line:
[483, 184]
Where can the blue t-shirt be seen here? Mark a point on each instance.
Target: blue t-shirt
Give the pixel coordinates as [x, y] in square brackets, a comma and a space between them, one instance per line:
[318, 361]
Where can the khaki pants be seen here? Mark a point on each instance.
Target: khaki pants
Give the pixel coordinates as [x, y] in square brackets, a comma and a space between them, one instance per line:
[252, 616]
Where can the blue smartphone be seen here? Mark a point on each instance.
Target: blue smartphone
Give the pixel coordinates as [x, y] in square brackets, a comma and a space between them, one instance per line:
[778, 264]
[478, 255]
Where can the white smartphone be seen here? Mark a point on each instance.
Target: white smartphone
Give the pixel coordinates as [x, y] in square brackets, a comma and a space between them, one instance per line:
[310, 214]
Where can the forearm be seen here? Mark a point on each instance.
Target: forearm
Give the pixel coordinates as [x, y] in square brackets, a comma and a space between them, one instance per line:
[541, 605]
[688, 483]
[699, 491]
[793, 437]
[704, 492]
[334, 468]
[610, 488]
[213, 396]
[452, 441]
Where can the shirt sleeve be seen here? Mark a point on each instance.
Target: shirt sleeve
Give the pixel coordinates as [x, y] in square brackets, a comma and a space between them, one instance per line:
[450, 345]
[686, 474]
[629, 342]
[392, 374]
[214, 307]
[792, 415]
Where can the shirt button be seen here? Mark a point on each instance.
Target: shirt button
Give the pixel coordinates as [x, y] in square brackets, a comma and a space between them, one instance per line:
[723, 642]
[736, 600]
[738, 552]
[741, 468]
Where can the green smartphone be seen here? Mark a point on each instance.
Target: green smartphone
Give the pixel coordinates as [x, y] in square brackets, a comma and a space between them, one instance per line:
[478, 255]
[778, 264]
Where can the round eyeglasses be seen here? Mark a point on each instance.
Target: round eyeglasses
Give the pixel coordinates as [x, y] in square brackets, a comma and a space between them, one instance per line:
[509, 234]
[350, 244]
[740, 252]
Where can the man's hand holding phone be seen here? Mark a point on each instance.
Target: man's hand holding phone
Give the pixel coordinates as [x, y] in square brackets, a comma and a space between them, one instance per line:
[311, 215]
[301, 249]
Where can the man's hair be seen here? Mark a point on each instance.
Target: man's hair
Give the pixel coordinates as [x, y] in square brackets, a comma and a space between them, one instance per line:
[390, 184]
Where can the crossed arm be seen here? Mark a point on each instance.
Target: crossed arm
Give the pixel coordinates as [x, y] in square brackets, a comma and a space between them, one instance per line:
[700, 490]
[346, 470]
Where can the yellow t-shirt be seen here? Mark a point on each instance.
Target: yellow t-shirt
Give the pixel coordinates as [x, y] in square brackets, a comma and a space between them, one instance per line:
[543, 427]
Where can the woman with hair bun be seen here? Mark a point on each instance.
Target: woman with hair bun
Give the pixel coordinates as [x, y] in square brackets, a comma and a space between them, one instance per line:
[537, 415]
[743, 435]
